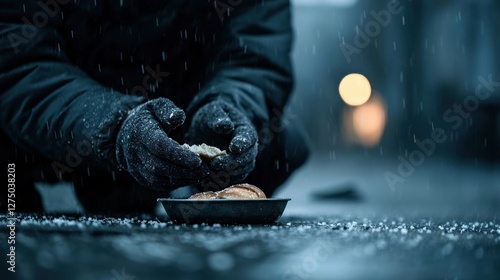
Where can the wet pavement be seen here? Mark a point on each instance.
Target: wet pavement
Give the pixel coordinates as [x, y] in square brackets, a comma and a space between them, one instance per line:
[431, 232]
[84, 247]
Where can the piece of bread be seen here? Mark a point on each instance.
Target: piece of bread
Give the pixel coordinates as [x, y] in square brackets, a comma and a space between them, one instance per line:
[204, 195]
[239, 191]
[205, 151]
[243, 191]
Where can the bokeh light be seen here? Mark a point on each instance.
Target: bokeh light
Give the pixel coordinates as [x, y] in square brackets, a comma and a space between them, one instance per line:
[365, 124]
[369, 122]
[355, 89]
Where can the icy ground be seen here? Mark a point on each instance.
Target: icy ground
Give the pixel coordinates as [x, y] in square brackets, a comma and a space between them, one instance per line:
[441, 224]
[84, 247]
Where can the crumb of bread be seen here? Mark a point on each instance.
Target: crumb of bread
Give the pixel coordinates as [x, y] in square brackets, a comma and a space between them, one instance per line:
[205, 151]
[204, 195]
[239, 191]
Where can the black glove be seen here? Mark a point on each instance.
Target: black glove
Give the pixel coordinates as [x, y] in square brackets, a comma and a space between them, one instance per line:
[220, 124]
[144, 149]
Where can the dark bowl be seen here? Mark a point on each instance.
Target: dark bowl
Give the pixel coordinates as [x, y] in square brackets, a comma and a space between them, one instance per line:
[224, 211]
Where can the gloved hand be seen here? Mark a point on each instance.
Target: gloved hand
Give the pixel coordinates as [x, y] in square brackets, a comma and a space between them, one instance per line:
[220, 124]
[144, 149]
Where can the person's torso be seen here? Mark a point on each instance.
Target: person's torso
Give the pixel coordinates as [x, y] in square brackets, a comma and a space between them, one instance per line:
[151, 48]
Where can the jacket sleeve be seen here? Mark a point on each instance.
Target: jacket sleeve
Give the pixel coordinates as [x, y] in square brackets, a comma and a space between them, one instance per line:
[49, 106]
[248, 58]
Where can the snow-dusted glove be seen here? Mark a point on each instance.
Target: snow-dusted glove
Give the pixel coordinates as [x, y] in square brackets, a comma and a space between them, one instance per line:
[220, 124]
[144, 149]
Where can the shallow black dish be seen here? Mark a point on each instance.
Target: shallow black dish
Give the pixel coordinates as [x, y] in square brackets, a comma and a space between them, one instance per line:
[224, 211]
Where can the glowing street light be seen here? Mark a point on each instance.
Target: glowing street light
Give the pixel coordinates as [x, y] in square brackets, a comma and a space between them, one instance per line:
[355, 89]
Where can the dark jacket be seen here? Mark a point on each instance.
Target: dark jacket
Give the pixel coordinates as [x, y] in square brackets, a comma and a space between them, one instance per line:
[69, 72]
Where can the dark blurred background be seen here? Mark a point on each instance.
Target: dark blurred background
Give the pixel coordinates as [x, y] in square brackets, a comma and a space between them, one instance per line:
[432, 65]
[425, 59]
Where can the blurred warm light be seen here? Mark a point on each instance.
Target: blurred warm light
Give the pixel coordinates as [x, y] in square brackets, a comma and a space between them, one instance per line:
[355, 89]
[365, 124]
